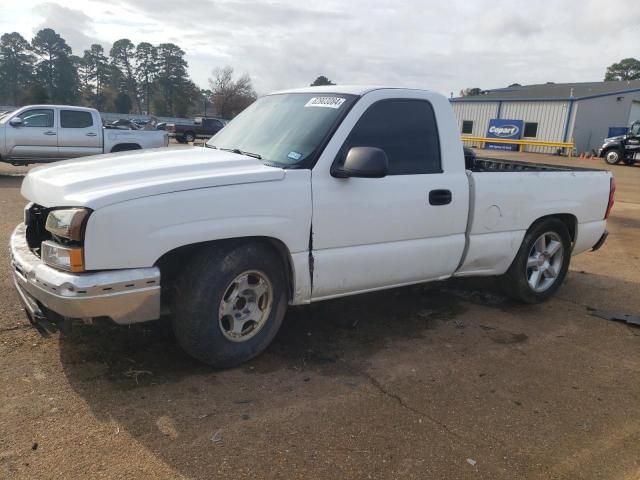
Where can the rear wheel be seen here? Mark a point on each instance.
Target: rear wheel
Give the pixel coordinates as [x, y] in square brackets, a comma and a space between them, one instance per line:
[189, 137]
[229, 303]
[541, 263]
[612, 156]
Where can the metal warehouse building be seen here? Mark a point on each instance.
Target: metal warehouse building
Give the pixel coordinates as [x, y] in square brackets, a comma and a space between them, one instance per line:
[559, 112]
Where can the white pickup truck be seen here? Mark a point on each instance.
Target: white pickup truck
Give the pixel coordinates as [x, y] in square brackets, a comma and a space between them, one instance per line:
[48, 133]
[307, 195]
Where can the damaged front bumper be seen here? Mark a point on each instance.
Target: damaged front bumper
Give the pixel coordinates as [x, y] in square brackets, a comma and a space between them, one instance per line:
[124, 296]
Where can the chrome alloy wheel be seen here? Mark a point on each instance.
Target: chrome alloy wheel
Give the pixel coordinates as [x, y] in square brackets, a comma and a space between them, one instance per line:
[545, 261]
[612, 157]
[245, 306]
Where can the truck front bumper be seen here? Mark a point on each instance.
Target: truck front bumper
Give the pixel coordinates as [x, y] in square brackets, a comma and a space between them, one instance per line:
[124, 296]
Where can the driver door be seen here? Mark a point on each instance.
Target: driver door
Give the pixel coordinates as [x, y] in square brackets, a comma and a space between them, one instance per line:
[36, 138]
[632, 142]
[374, 233]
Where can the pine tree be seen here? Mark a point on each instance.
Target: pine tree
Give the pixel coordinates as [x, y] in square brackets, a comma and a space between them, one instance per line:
[16, 67]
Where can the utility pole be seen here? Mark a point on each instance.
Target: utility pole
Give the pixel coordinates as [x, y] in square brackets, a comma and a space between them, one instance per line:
[205, 97]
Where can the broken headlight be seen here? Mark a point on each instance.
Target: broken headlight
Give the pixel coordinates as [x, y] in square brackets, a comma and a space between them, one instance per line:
[68, 223]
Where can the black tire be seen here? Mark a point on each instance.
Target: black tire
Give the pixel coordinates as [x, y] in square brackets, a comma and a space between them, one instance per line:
[189, 137]
[197, 301]
[516, 281]
[612, 156]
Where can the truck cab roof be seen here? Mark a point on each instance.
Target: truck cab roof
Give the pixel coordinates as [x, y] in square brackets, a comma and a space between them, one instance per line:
[66, 107]
[345, 89]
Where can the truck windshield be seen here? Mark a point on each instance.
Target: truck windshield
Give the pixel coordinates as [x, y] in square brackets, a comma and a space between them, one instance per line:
[284, 129]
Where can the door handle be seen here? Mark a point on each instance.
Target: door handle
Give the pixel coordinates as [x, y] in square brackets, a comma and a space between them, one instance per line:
[440, 197]
[91, 134]
[49, 133]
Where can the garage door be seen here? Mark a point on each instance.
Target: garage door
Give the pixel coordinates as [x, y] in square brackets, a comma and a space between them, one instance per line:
[635, 112]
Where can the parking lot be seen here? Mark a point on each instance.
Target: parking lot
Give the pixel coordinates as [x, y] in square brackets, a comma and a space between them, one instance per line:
[446, 380]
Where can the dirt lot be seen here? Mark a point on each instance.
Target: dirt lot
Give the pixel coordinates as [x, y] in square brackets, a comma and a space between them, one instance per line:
[439, 381]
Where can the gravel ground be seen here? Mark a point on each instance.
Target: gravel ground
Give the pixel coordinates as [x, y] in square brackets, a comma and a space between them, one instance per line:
[446, 380]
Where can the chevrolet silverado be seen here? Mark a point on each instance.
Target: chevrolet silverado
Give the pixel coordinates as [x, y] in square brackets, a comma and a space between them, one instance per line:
[307, 195]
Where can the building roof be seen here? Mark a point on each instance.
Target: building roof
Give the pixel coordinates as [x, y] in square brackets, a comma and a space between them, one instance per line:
[554, 91]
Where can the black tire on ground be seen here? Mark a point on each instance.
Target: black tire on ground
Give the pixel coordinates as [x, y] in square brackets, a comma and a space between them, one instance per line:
[612, 156]
[516, 281]
[206, 280]
[189, 137]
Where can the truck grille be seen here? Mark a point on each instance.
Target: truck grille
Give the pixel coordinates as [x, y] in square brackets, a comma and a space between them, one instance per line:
[35, 218]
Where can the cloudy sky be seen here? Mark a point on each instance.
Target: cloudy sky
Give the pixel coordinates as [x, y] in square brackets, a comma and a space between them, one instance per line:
[438, 45]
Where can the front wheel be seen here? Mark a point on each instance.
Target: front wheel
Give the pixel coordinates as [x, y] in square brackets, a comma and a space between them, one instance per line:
[189, 137]
[612, 156]
[229, 303]
[541, 263]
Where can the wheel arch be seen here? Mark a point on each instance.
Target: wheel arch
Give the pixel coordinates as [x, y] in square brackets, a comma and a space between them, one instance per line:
[124, 147]
[170, 262]
[569, 219]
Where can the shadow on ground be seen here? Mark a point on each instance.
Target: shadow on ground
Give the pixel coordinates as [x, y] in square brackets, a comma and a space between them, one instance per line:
[312, 337]
[138, 377]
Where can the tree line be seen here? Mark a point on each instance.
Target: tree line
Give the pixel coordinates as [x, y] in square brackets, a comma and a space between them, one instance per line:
[139, 79]
[625, 69]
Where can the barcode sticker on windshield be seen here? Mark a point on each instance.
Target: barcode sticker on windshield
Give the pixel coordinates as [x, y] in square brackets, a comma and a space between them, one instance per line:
[328, 102]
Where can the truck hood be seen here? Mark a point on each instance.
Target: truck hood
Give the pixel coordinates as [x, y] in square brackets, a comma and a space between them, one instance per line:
[102, 180]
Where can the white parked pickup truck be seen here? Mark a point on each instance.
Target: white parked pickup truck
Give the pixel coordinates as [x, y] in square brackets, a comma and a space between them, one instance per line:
[47, 133]
[307, 195]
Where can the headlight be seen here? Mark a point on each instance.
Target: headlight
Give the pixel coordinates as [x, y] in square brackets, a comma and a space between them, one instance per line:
[67, 223]
[59, 256]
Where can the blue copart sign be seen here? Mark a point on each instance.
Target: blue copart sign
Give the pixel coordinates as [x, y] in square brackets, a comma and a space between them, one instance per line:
[507, 129]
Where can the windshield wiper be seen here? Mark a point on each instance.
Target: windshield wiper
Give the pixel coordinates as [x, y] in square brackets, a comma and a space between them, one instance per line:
[210, 146]
[242, 152]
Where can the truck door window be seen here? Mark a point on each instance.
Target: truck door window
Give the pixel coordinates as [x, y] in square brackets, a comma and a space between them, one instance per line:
[75, 119]
[39, 117]
[405, 129]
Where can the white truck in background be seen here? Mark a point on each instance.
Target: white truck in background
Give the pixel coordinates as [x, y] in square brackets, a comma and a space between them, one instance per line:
[307, 195]
[48, 133]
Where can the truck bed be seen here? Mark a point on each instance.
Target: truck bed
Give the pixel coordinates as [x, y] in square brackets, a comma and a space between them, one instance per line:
[508, 196]
[485, 164]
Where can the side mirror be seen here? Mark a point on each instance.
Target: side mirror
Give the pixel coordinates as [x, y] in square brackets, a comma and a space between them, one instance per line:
[363, 162]
[16, 122]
